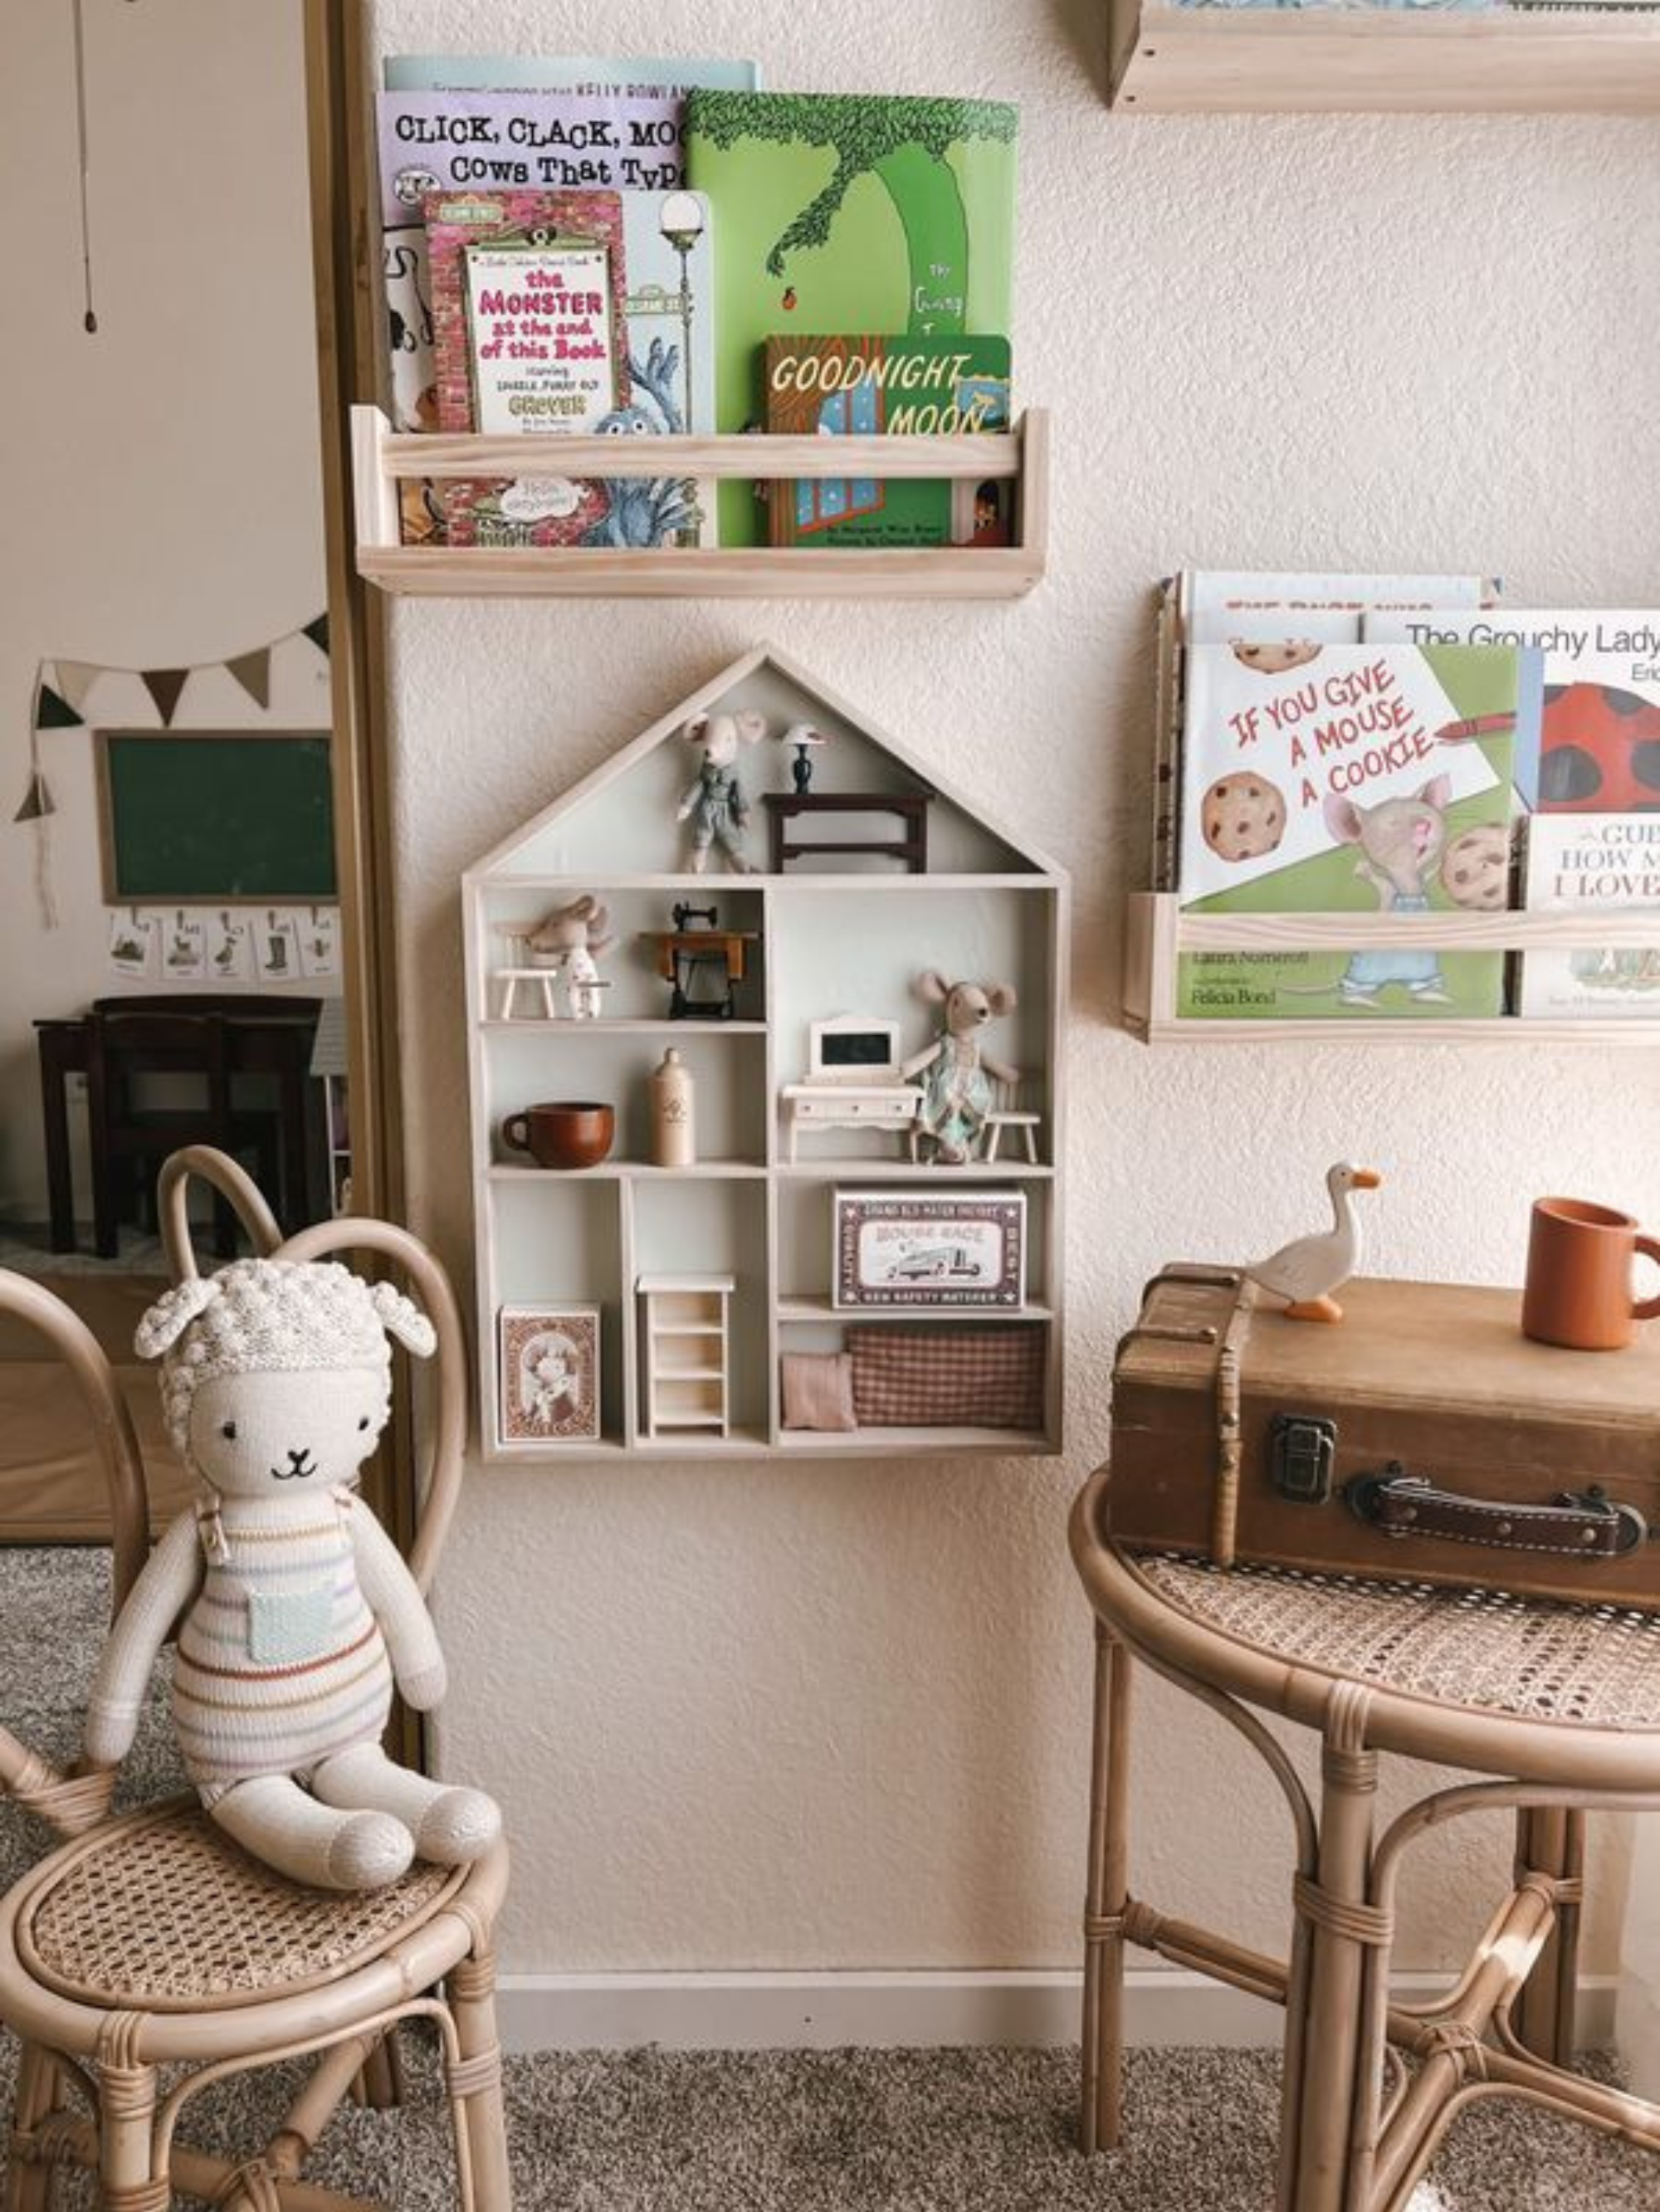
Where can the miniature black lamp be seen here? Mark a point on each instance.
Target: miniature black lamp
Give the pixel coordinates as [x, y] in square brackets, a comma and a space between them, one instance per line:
[804, 738]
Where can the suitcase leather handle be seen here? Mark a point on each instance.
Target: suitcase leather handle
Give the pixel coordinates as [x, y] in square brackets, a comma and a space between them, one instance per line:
[1578, 1525]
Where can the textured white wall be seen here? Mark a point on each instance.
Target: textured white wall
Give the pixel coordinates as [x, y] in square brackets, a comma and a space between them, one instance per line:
[163, 490]
[832, 1715]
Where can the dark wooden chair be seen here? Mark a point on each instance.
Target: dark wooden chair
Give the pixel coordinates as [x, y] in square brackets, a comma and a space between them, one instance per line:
[129, 1137]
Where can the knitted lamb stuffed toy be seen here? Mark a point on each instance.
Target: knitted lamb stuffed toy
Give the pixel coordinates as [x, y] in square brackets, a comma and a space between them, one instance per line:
[298, 1611]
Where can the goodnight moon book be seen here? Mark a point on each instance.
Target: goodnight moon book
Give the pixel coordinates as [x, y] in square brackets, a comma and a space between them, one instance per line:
[1369, 778]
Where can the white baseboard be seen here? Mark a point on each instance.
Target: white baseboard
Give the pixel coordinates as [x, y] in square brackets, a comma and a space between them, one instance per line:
[821, 2011]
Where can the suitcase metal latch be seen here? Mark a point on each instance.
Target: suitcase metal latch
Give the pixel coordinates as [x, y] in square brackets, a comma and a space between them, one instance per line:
[1303, 1451]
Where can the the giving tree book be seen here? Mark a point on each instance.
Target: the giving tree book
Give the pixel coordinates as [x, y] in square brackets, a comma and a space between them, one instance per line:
[1579, 860]
[578, 312]
[872, 385]
[1346, 778]
[847, 213]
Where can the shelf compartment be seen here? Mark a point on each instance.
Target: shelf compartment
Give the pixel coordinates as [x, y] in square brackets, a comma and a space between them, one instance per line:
[817, 1311]
[1374, 60]
[1157, 932]
[381, 458]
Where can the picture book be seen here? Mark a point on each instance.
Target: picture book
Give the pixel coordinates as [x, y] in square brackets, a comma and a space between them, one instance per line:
[893, 386]
[585, 312]
[1363, 778]
[845, 213]
[1599, 733]
[1576, 860]
[1266, 607]
[525, 141]
[560, 72]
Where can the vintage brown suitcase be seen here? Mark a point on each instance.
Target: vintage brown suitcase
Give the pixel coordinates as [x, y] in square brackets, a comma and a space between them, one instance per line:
[1422, 1438]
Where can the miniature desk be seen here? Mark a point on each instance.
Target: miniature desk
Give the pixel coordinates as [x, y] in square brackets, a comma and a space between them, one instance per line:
[910, 806]
[850, 1106]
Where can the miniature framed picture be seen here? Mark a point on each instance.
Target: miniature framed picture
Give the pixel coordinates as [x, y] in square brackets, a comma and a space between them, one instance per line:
[549, 1360]
[930, 1248]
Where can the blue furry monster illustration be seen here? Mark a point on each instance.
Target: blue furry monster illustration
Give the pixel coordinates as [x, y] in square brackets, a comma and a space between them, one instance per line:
[646, 510]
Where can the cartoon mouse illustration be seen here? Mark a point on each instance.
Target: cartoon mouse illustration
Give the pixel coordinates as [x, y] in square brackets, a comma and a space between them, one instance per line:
[1400, 842]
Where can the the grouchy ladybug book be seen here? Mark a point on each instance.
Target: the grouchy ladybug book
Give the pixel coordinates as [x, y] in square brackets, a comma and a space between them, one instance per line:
[846, 213]
[1371, 779]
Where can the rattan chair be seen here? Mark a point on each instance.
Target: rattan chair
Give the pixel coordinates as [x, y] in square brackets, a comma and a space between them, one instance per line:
[1559, 1705]
[151, 1941]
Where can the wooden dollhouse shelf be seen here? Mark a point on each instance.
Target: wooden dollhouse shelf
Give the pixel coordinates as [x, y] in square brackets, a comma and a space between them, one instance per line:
[381, 457]
[1158, 932]
[1220, 60]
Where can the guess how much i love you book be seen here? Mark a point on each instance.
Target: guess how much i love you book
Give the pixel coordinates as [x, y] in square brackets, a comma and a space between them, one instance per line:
[1338, 778]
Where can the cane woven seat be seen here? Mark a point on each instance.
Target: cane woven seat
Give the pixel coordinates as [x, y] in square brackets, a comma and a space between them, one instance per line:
[159, 1911]
[1584, 1666]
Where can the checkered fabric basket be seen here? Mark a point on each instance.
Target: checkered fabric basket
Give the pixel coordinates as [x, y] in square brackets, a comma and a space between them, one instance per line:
[987, 1378]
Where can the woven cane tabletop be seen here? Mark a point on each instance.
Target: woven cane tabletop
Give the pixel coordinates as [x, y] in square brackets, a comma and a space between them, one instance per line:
[1528, 1658]
[159, 1911]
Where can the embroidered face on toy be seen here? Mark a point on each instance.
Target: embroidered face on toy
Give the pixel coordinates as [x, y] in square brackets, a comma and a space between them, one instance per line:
[275, 1374]
[718, 737]
[968, 1006]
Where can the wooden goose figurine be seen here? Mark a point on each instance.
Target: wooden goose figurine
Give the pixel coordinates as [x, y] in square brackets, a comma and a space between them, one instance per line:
[1307, 1271]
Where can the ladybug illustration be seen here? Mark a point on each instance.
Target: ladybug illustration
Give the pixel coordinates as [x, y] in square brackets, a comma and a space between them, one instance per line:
[789, 299]
[1600, 751]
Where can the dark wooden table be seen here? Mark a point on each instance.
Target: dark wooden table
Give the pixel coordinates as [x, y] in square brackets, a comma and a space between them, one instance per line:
[260, 1037]
[910, 806]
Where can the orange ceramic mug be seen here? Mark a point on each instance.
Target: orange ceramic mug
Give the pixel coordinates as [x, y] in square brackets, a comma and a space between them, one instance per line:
[1579, 1288]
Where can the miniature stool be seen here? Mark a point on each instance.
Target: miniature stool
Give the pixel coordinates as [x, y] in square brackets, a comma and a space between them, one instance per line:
[1558, 1704]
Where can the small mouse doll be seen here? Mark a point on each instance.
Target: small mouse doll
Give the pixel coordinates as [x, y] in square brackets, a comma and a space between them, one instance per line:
[298, 1611]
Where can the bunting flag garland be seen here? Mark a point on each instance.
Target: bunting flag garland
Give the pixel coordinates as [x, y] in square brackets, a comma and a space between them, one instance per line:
[252, 671]
[164, 686]
[61, 695]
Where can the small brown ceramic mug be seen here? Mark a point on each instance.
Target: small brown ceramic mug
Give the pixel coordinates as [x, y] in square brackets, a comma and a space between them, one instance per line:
[561, 1133]
[1579, 1288]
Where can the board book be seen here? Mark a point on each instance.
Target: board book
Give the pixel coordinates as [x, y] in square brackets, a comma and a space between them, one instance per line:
[847, 213]
[565, 312]
[888, 386]
[1579, 861]
[1346, 778]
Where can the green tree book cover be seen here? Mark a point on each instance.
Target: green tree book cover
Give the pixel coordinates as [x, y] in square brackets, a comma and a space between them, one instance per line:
[846, 213]
[1338, 778]
[888, 387]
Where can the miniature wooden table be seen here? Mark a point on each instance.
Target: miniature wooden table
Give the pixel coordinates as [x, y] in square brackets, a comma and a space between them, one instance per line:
[910, 806]
[850, 1106]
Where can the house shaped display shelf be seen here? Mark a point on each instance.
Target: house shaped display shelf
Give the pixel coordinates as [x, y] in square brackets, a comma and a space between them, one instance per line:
[382, 457]
[830, 953]
[1368, 59]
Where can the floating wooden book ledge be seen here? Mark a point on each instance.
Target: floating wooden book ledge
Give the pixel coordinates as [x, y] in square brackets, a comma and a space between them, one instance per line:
[1157, 932]
[381, 457]
[1367, 59]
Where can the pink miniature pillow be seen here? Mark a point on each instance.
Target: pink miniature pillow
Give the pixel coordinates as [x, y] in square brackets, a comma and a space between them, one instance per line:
[819, 1390]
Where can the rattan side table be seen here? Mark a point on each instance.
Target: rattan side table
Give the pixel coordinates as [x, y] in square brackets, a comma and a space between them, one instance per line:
[1559, 1705]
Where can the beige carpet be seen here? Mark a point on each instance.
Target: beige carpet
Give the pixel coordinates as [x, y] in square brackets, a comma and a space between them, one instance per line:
[810, 2132]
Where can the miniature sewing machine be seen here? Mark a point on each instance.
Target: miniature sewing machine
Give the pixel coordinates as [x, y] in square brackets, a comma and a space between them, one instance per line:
[853, 1080]
[683, 953]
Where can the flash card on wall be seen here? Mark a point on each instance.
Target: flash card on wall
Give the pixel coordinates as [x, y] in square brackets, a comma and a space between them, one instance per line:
[230, 948]
[278, 947]
[319, 942]
[132, 939]
[184, 946]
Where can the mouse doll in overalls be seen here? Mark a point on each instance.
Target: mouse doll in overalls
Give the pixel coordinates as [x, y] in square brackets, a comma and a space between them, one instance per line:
[714, 804]
[298, 1611]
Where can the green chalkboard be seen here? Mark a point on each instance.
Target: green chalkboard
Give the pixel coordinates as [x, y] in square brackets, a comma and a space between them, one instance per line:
[216, 814]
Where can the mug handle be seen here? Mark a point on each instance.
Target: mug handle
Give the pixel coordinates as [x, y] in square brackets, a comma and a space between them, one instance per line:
[515, 1131]
[1647, 1308]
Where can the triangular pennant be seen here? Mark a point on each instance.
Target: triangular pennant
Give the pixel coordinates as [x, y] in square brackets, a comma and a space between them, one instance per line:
[51, 713]
[75, 679]
[37, 803]
[252, 671]
[164, 686]
[317, 632]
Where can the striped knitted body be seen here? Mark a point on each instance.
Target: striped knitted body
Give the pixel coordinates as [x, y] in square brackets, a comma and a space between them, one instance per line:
[280, 1664]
